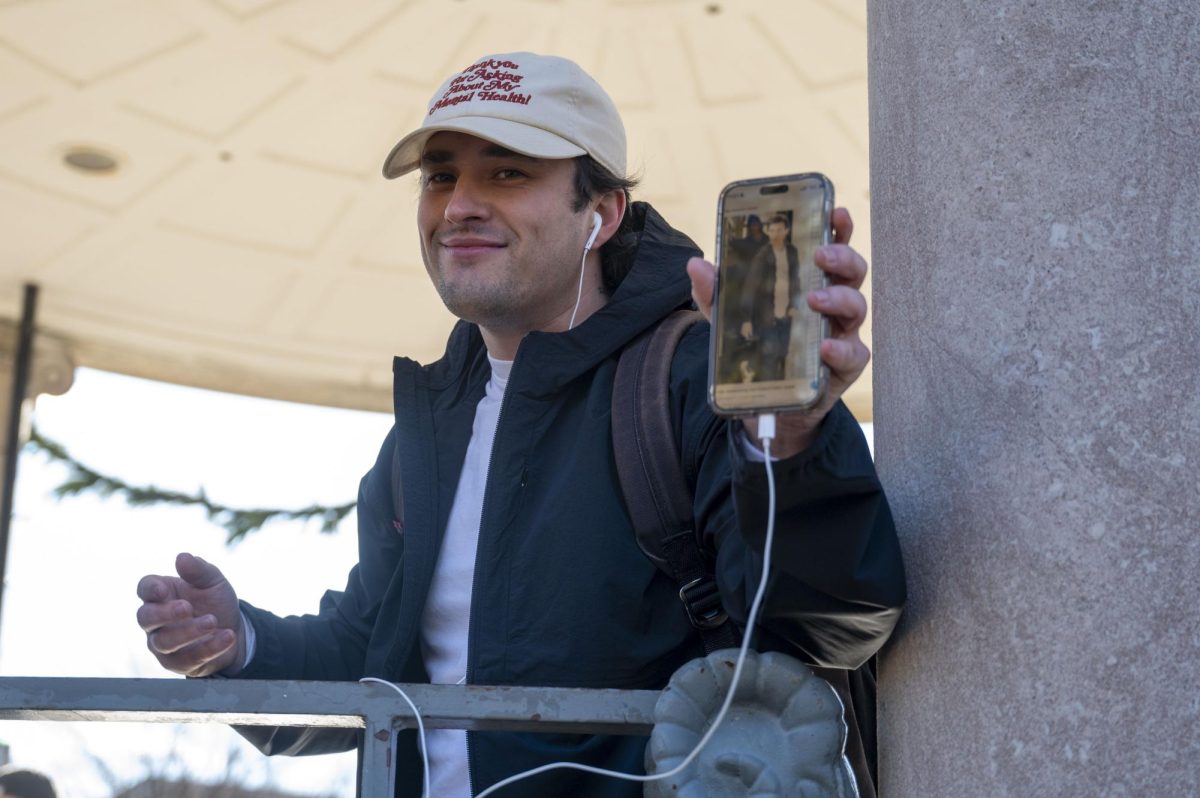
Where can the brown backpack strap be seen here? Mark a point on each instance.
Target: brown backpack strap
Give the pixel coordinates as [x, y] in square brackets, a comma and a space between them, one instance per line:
[660, 506]
[656, 492]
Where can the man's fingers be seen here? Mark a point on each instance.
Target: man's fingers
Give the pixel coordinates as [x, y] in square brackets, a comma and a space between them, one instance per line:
[197, 572]
[156, 588]
[843, 265]
[843, 225]
[845, 306]
[204, 657]
[846, 357]
[157, 614]
[704, 276]
[174, 637]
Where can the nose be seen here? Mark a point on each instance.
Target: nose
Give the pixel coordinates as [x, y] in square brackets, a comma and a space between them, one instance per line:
[467, 202]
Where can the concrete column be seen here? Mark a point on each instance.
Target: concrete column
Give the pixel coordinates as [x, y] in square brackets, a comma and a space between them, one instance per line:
[1036, 235]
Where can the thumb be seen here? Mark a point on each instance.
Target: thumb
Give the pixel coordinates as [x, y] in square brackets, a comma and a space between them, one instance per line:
[198, 573]
[703, 275]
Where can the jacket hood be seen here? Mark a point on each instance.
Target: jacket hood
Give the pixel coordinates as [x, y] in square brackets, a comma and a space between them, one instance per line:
[656, 284]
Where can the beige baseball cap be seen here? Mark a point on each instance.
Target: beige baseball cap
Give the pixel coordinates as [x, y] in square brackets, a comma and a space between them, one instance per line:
[538, 105]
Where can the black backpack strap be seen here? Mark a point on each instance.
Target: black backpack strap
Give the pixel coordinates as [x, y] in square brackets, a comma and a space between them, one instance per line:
[652, 480]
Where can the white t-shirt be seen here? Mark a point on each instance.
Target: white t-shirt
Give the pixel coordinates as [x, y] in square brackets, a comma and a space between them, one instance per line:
[445, 622]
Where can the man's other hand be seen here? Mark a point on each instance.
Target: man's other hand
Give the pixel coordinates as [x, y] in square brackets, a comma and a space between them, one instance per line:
[192, 622]
[843, 351]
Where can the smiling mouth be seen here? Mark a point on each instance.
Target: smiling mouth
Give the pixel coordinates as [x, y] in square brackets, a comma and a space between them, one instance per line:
[470, 247]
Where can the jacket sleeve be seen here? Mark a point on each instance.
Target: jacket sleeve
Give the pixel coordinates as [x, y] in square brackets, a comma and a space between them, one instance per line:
[837, 579]
[331, 645]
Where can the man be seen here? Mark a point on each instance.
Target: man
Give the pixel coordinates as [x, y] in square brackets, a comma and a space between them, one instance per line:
[739, 356]
[494, 544]
[774, 301]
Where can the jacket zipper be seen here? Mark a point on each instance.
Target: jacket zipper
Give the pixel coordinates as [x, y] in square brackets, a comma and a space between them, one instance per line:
[487, 491]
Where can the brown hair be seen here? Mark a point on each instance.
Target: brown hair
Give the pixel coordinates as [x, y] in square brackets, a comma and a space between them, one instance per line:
[616, 256]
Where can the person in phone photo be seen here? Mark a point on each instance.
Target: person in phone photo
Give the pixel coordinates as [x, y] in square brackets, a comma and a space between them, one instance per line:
[774, 301]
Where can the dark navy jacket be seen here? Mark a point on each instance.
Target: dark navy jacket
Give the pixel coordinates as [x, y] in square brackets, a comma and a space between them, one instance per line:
[563, 596]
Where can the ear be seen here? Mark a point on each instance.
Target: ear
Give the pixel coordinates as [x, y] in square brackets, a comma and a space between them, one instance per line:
[611, 208]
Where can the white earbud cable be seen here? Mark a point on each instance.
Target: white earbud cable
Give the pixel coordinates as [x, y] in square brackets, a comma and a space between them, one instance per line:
[420, 728]
[596, 223]
[766, 433]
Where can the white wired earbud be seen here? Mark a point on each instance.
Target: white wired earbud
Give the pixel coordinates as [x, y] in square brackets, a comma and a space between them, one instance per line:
[597, 223]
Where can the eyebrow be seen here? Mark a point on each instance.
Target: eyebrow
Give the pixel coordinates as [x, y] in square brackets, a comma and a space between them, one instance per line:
[434, 157]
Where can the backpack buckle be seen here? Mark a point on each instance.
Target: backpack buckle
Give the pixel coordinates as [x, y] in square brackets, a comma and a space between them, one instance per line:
[702, 603]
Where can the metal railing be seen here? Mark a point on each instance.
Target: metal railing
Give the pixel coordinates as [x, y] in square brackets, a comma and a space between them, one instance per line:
[376, 709]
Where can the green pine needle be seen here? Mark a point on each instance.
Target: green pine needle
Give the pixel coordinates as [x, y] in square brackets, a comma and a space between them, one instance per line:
[237, 522]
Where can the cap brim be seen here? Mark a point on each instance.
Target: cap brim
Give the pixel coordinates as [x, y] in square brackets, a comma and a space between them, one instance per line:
[516, 136]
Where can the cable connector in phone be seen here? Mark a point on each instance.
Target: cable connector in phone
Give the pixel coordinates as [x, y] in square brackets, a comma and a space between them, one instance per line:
[766, 428]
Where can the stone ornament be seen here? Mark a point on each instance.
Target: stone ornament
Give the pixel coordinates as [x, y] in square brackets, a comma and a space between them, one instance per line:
[784, 734]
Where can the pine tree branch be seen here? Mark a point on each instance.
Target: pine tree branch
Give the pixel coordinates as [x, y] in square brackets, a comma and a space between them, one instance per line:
[237, 522]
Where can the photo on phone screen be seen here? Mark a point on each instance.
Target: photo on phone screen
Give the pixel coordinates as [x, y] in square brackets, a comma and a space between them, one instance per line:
[766, 339]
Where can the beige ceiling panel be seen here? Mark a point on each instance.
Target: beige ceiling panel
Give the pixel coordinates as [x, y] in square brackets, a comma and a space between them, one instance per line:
[212, 92]
[391, 243]
[799, 138]
[389, 311]
[622, 71]
[664, 159]
[162, 274]
[854, 12]
[581, 32]
[61, 35]
[247, 8]
[421, 44]
[720, 51]
[36, 228]
[521, 27]
[329, 35]
[348, 133]
[848, 109]
[820, 47]
[22, 85]
[262, 204]
[656, 43]
[35, 143]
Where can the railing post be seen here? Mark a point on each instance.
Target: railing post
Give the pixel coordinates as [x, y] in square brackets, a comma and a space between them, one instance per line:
[377, 776]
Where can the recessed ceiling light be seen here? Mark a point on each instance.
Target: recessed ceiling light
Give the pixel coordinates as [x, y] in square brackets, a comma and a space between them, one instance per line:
[92, 160]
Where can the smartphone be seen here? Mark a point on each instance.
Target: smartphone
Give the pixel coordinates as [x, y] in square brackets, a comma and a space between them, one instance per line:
[765, 352]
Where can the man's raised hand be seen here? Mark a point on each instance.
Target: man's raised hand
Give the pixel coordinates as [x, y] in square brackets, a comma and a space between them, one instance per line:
[843, 351]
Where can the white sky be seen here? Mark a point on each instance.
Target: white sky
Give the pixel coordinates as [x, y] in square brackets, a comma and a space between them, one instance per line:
[73, 565]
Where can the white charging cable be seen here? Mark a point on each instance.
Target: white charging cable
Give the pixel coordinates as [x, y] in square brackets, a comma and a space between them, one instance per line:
[766, 433]
[420, 727]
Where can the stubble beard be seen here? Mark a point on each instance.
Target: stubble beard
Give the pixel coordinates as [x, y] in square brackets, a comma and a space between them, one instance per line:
[484, 305]
[511, 299]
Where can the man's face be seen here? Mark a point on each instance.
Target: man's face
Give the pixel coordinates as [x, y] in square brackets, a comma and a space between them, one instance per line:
[777, 233]
[498, 234]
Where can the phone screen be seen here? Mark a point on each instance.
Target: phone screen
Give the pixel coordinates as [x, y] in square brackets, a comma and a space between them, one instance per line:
[766, 339]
